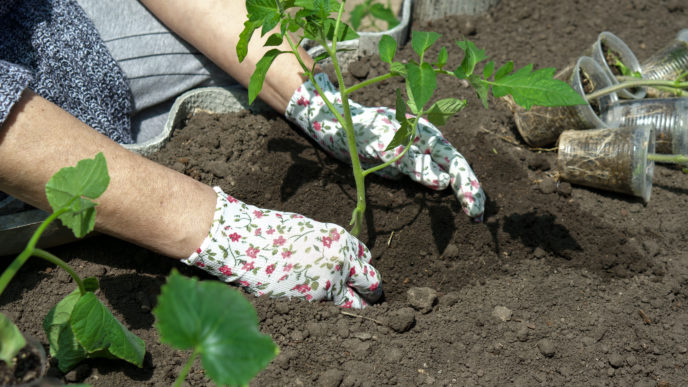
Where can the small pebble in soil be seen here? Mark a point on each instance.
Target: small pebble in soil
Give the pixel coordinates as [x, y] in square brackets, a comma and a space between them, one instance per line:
[331, 377]
[539, 252]
[358, 69]
[421, 298]
[546, 347]
[564, 189]
[547, 185]
[81, 372]
[615, 360]
[449, 299]
[451, 251]
[502, 313]
[401, 320]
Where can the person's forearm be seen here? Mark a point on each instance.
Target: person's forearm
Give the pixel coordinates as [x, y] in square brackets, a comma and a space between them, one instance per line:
[213, 27]
[146, 204]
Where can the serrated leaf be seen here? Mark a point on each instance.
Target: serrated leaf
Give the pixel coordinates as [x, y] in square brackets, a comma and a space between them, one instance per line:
[481, 87]
[504, 70]
[263, 12]
[488, 70]
[400, 106]
[217, 321]
[442, 110]
[379, 11]
[442, 58]
[422, 40]
[345, 31]
[387, 48]
[255, 84]
[96, 329]
[422, 82]
[73, 187]
[472, 56]
[401, 137]
[11, 339]
[529, 88]
[356, 16]
[245, 38]
[274, 40]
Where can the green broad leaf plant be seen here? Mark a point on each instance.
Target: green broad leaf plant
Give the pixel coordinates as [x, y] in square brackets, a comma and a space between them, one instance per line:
[216, 323]
[212, 319]
[371, 12]
[321, 21]
[80, 326]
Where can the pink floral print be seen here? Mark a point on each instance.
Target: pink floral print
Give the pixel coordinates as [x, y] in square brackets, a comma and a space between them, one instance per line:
[431, 160]
[302, 258]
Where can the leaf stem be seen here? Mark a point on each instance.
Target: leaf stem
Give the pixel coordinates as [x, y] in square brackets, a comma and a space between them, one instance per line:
[57, 261]
[369, 82]
[672, 159]
[28, 251]
[187, 368]
[629, 84]
[401, 154]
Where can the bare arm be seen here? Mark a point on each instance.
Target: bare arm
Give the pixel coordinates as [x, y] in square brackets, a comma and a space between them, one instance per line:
[213, 27]
[146, 204]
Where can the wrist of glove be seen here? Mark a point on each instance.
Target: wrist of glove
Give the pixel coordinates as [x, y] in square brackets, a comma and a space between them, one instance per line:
[282, 254]
[431, 160]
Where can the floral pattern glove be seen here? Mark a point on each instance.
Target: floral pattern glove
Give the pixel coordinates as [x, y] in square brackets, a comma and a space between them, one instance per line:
[282, 254]
[431, 160]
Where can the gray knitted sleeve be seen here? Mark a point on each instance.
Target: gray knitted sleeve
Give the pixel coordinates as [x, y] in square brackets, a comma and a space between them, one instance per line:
[13, 80]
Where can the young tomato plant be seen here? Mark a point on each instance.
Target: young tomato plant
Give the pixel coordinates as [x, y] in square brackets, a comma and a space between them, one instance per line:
[79, 326]
[314, 20]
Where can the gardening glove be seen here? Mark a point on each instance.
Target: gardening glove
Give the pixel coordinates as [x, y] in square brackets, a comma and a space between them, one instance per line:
[282, 254]
[431, 159]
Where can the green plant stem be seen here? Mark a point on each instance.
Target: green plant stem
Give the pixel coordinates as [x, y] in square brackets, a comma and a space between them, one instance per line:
[187, 368]
[672, 159]
[629, 84]
[57, 261]
[28, 251]
[369, 82]
[400, 155]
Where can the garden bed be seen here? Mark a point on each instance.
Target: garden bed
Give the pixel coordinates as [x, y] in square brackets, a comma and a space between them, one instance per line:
[559, 285]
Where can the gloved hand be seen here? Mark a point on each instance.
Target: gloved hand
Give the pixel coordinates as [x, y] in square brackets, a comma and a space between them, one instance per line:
[282, 254]
[431, 160]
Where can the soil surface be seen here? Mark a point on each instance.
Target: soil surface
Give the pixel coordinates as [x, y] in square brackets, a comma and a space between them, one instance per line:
[560, 285]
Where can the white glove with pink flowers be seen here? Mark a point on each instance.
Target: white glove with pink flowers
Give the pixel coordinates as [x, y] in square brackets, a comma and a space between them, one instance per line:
[431, 160]
[282, 254]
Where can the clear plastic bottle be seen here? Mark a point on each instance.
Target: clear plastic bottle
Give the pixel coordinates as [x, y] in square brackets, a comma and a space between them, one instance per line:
[669, 116]
[667, 64]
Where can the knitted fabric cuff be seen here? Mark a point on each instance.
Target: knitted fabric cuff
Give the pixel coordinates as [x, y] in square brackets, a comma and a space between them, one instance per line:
[14, 79]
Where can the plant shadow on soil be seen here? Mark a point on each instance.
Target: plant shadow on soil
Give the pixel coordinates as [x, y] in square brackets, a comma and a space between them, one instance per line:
[584, 287]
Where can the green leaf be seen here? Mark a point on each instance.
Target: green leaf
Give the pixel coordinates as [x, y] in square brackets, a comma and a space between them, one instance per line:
[274, 40]
[72, 187]
[442, 58]
[255, 85]
[400, 108]
[442, 110]
[322, 8]
[482, 88]
[472, 56]
[401, 137]
[387, 48]
[217, 321]
[98, 330]
[488, 70]
[345, 31]
[245, 38]
[398, 68]
[538, 87]
[422, 40]
[264, 12]
[380, 11]
[421, 84]
[356, 16]
[11, 339]
[504, 70]
[63, 344]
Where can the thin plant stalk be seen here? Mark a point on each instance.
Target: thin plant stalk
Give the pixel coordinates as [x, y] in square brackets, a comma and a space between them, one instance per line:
[670, 159]
[629, 84]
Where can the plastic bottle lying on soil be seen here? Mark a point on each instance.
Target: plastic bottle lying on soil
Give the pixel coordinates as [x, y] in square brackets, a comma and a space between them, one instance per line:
[613, 159]
[669, 116]
[667, 64]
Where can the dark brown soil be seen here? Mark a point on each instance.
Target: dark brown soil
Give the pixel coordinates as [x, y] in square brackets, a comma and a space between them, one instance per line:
[560, 285]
